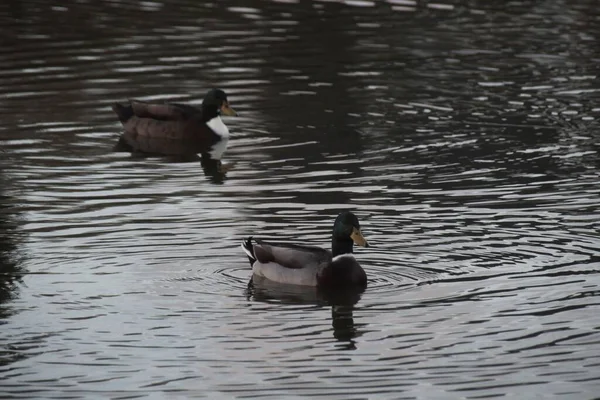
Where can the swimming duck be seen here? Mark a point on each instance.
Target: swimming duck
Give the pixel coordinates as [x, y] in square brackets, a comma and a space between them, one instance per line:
[176, 129]
[309, 265]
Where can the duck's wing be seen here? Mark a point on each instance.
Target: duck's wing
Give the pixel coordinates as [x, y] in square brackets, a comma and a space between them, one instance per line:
[291, 256]
[164, 111]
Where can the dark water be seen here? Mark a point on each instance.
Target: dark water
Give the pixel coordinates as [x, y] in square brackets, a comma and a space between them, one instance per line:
[465, 135]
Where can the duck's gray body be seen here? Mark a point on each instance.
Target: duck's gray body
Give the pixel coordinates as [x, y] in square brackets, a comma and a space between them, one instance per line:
[303, 265]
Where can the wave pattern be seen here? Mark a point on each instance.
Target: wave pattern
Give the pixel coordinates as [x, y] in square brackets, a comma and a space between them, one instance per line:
[464, 137]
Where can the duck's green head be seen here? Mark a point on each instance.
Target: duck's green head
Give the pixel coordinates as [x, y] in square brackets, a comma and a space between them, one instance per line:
[346, 227]
[216, 99]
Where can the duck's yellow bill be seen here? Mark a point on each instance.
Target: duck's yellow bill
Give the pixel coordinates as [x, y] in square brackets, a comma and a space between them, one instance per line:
[358, 238]
[226, 110]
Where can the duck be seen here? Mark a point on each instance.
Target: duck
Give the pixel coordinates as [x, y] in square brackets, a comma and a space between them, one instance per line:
[176, 129]
[310, 265]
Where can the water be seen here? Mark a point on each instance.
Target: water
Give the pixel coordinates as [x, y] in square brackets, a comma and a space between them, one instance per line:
[464, 135]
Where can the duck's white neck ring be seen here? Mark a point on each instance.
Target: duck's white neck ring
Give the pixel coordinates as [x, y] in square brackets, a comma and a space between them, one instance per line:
[219, 128]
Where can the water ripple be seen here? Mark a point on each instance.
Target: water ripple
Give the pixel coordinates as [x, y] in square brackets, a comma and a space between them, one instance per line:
[468, 150]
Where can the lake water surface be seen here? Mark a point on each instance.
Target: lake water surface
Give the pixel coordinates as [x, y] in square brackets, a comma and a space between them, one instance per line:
[464, 134]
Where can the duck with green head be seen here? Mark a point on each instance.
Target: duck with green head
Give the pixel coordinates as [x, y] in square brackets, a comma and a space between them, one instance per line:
[310, 265]
[176, 129]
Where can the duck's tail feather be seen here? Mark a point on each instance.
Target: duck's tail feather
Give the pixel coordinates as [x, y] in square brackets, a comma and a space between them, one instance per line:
[249, 249]
[124, 112]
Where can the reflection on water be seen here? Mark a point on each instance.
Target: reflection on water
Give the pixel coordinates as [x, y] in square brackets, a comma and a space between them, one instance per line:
[10, 256]
[10, 271]
[341, 303]
[464, 136]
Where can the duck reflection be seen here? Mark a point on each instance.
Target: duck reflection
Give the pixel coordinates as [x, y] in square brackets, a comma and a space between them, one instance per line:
[214, 170]
[341, 301]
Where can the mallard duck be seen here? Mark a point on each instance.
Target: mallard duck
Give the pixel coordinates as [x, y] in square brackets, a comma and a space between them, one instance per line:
[176, 129]
[309, 265]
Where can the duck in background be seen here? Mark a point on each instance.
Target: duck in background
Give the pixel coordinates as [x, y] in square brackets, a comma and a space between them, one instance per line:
[309, 265]
[174, 129]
